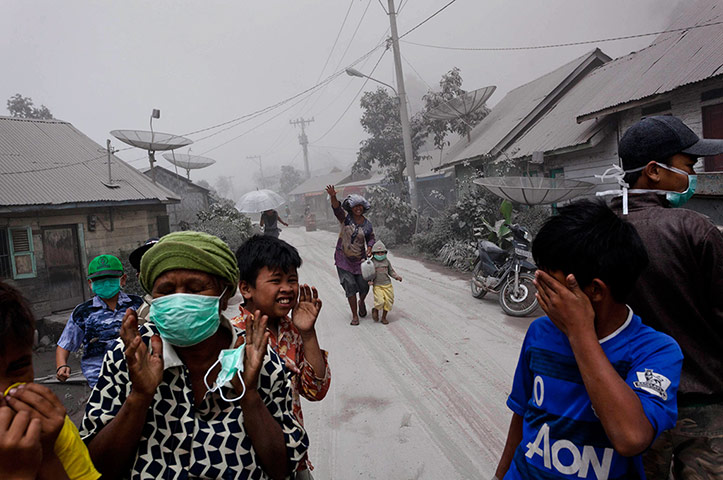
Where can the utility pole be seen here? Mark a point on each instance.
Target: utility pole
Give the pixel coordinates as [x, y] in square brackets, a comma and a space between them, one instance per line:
[304, 141]
[261, 170]
[403, 112]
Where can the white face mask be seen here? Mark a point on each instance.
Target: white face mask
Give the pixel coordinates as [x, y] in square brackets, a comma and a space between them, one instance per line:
[232, 363]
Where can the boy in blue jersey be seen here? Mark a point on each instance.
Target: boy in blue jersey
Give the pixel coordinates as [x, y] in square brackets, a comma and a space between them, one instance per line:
[593, 386]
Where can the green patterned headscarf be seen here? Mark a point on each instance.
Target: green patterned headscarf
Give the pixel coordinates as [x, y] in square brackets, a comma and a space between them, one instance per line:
[191, 251]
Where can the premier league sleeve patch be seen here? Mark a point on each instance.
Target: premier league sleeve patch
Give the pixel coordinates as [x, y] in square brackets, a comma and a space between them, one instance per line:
[652, 382]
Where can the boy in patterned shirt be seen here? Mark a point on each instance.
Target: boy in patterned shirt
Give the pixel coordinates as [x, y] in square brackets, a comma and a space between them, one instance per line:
[593, 386]
[269, 283]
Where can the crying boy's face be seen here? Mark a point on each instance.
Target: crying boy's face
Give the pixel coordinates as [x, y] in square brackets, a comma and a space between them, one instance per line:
[16, 364]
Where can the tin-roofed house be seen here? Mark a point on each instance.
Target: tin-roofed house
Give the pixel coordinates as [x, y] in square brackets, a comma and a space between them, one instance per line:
[567, 123]
[194, 197]
[62, 202]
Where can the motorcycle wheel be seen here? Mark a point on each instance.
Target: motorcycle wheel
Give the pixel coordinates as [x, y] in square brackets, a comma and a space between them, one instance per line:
[520, 303]
[477, 291]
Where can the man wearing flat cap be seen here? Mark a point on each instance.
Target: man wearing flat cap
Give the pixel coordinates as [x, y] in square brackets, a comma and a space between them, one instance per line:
[187, 395]
[681, 291]
[94, 325]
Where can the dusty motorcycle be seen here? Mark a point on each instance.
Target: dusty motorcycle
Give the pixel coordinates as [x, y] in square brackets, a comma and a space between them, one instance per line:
[509, 273]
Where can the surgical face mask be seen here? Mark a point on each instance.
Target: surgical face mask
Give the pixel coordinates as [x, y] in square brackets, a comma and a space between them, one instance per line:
[185, 319]
[678, 199]
[380, 257]
[232, 363]
[107, 287]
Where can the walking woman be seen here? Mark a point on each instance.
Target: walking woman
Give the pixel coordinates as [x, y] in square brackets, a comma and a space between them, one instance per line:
[269, 220]
[356, 238]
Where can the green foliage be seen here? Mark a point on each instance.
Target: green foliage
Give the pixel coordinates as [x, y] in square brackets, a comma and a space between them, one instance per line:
[386, 235]
[290, 178]
[132, 286]
[384, 147]
[390, 211]
[23, 107]
[458, 254]
[224, 221]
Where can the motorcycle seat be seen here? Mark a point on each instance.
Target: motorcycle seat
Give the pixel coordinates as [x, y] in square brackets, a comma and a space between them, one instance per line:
[489, 247]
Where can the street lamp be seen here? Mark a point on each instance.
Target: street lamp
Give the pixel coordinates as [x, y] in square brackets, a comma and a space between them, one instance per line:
[406, 135]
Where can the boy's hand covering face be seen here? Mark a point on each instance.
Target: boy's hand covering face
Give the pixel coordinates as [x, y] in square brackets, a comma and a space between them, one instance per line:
[307, 309]
[20, 449]
[568, 306]
[41, 403]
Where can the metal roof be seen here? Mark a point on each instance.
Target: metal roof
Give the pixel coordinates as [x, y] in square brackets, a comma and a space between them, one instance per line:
[517, 109]
[318, 183]
[50, 162]
[557, 129]
[671, 61]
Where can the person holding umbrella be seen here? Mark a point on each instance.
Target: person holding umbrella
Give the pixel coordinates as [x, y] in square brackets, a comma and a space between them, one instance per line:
[265, 202]
[270, 220]
[356, 239]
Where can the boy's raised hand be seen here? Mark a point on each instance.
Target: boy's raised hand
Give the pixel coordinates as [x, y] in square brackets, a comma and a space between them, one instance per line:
[145, 368]
[306, 310]
[21, 452]
[40, 403]
[567, 305]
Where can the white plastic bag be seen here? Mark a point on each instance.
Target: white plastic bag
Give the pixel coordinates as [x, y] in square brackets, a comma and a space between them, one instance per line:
[367, 269]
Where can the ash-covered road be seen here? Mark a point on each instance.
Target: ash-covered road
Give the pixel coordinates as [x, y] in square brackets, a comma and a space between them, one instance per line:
[420, 398]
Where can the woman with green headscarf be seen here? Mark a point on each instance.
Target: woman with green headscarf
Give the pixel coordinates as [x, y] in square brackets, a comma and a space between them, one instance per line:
[187, 394]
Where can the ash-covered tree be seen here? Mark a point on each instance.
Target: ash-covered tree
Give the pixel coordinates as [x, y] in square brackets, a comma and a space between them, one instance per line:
[290, 178]
[384, 147]
[23, 107]
[450, 88]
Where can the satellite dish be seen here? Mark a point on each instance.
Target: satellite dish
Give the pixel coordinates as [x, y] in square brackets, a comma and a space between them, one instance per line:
[189, 162]
[462, 106]
[151, 141]
[534, 190]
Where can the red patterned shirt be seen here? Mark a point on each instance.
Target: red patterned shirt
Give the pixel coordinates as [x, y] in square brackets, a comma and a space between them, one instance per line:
[290, 348]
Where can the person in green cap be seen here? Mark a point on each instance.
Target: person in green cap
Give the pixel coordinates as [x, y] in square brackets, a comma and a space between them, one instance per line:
[95, 324]
[186, 394]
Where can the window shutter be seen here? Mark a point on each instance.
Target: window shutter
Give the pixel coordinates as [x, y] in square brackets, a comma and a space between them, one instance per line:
[23, 255]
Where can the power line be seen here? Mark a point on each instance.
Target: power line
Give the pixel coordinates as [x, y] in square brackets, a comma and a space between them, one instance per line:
[568, 44]
[354, 34]
[401, 6]
[426, 20]
[341, 59]
[282, 102]
[353, 99]
[336, 40]
[383, 7]
[254, 128]
[65, 165]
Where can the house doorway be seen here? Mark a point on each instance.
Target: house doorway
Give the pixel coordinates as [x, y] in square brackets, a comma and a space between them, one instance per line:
[62, 259]
[713, 128]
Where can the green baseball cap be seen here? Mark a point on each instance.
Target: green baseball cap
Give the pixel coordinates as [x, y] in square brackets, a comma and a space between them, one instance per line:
[105, 266]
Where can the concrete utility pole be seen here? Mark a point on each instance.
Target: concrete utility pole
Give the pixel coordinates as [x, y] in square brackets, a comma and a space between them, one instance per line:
[403, 112]
[261, 170]
[304, 141]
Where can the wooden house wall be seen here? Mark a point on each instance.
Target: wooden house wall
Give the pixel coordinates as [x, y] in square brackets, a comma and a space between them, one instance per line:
[129, 227]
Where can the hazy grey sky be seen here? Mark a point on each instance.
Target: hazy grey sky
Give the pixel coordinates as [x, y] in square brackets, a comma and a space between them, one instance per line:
[105, 65]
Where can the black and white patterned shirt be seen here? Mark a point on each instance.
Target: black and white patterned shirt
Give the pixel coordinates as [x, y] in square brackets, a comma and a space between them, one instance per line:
[180, 441]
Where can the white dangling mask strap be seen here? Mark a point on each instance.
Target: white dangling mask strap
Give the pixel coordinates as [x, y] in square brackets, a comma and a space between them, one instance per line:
[616, 172]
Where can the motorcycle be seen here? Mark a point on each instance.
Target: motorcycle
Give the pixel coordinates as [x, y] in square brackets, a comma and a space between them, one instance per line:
[509, 273]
